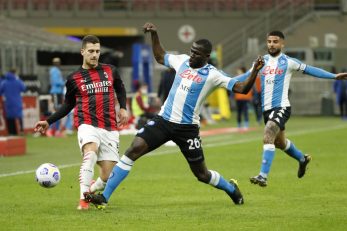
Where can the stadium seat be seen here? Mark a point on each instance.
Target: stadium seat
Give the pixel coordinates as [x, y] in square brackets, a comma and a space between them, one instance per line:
[89, 4]
[144, 5]
[64, 4]
[40, 4]
[19, 4]
[171, 5]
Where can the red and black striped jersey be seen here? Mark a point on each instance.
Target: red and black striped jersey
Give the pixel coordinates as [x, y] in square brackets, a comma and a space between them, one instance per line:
[91, 93]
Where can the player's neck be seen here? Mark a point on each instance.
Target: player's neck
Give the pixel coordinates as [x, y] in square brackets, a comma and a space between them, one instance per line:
[276, 55]
[87, 66]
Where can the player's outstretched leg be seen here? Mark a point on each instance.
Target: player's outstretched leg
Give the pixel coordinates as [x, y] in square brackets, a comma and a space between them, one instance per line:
[118, 174]
[97, 199]
[231, 187]
[268, 155]
[294, 152]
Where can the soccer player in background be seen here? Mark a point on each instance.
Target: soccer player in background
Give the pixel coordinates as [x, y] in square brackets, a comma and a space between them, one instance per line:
[57, 83]
[275, 78]
[178, 119]
[90, 92]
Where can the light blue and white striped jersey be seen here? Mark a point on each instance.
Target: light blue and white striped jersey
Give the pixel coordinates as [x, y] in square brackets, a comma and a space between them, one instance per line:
[275, 79]
[190, 88]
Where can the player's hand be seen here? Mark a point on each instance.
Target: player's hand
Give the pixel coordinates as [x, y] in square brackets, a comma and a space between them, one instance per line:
[149, 27]
[259, 63]
[41, 127]
[340, 76]
[123, 117]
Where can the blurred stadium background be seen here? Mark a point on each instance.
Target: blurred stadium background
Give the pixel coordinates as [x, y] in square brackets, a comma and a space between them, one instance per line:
[32, 32]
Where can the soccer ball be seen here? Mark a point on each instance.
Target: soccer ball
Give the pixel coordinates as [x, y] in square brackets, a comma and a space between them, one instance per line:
[47, 175]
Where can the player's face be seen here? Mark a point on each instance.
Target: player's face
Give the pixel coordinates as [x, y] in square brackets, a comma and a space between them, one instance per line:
[91, 54]
[198, 58]
[274, 45]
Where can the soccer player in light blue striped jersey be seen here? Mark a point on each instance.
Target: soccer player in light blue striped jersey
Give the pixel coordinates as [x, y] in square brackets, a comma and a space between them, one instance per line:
[178, 119]
[275, 78]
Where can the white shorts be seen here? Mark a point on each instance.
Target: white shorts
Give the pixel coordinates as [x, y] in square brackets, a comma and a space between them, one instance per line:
[107, 141]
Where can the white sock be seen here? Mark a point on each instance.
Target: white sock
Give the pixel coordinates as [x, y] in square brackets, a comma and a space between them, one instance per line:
[87, 172]
[99, 185]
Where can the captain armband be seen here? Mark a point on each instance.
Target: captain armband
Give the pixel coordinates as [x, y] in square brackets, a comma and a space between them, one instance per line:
[302, 67]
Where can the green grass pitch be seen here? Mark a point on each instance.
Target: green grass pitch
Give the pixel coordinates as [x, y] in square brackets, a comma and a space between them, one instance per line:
[160, 193]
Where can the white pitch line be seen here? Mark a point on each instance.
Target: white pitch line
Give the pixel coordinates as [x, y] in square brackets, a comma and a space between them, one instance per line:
[173, 151]
[32, 171]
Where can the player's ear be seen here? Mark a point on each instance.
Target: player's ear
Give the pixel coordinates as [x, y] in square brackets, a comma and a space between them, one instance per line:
[282, 43]
[82, 51]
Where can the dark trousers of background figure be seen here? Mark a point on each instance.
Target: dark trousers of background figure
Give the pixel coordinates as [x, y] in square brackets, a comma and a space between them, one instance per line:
[242, 111]
[14, 126]
[257, 107]
[343, 107]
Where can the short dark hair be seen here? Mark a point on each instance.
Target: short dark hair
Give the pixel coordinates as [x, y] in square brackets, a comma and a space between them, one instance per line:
[276, 33]
[206, 44]
[89, 39]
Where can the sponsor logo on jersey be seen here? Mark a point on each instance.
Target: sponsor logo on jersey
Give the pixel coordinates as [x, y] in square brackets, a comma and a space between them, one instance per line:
[270, 71]
[96, 87]
[191, 75]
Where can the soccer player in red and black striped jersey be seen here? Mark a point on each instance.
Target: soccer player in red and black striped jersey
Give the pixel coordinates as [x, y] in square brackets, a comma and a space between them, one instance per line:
[90, 92]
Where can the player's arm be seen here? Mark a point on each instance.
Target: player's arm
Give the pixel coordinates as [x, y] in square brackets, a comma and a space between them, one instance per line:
[158, 50]
[65, 108]
[244, 86]
[320, 73]
[119, 88]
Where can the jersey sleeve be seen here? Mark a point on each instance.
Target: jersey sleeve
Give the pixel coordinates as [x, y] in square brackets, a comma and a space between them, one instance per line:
[174, 61]
[296, 65]
[221, 79]
[119, 88]
[319, 73]
[310, 70]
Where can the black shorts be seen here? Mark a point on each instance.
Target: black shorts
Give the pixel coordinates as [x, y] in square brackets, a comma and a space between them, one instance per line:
[158, 131]
[279, 115]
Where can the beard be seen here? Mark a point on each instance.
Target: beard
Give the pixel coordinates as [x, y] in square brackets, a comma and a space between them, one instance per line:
[196, 63]
[273, 51]
[92, 63]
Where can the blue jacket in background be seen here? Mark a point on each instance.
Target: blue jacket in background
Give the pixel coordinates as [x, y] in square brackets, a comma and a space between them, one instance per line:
[56, 81]
[11, 88]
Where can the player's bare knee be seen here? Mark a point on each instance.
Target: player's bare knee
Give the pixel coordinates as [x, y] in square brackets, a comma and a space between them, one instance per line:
[203, 177]
[280, 145]
[137, 149]
[268, 138]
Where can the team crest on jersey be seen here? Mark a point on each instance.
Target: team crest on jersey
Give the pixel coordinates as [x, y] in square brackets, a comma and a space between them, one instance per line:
[203, 71]
[106, 75]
